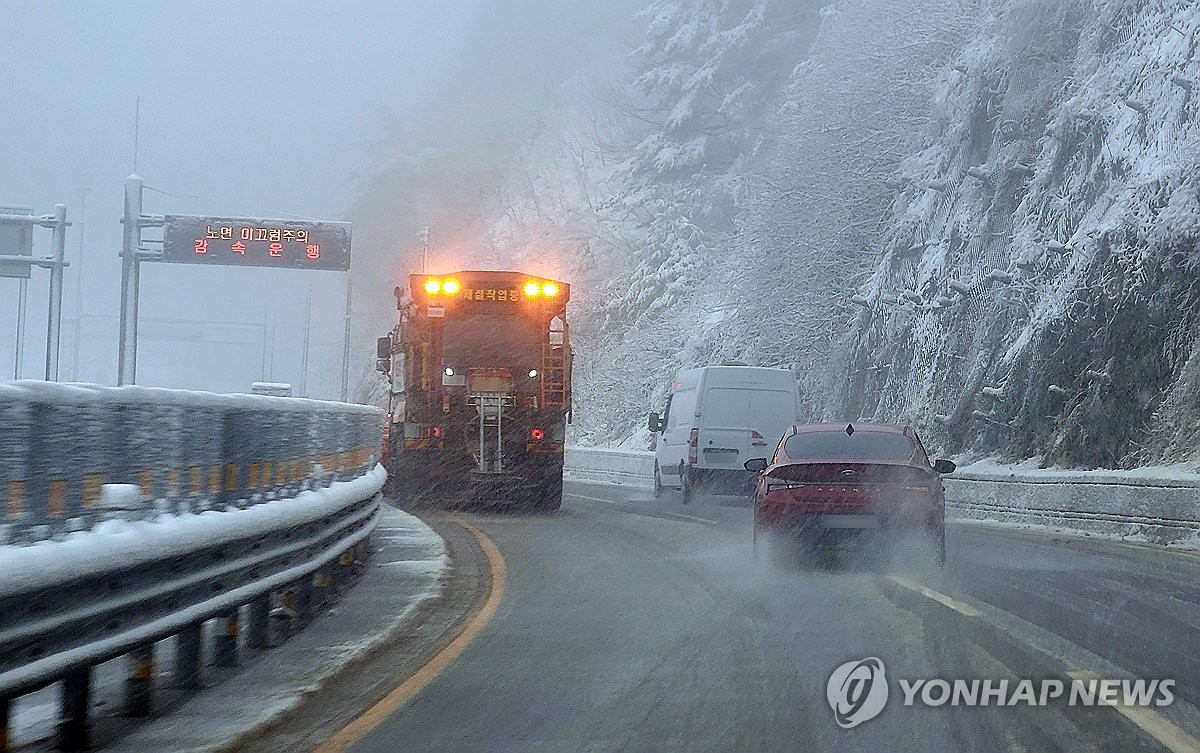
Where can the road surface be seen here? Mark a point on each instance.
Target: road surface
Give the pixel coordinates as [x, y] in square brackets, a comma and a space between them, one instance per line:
[632, 624]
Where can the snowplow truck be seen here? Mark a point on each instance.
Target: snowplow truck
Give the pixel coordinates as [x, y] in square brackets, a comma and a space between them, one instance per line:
[481, 369]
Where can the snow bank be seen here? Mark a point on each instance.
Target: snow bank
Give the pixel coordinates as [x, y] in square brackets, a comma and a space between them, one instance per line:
[118, 544]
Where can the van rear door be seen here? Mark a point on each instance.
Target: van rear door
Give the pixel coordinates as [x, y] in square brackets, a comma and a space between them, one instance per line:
[739, 423]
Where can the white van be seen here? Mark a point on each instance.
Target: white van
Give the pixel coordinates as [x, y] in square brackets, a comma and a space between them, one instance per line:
[717, 418]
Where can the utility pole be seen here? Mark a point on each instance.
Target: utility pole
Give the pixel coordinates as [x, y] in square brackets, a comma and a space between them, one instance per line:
[424, 236]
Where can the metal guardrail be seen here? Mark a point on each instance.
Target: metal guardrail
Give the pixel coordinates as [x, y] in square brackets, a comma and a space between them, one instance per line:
[185, 451]
[287, 492]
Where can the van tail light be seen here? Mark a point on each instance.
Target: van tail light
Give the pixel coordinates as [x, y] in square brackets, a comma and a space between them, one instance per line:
[693, 446]
[537, 435]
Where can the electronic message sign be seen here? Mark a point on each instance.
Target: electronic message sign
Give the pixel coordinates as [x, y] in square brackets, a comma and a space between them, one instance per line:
[249, 242]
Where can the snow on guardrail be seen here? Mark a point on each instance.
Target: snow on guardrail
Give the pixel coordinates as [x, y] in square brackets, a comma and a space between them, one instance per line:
[1159, 505]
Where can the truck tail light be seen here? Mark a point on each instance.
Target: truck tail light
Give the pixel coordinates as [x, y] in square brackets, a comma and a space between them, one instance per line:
[537, 435]
[693, 446]
[437, 432]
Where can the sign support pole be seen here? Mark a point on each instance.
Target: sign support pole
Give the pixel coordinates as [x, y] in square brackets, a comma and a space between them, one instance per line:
[22, 300]
[346, 343]
[130, 247]
[54, 325]
[307, 336]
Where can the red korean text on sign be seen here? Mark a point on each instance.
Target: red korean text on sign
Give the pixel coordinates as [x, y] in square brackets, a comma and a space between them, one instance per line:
[201, 246]
[313, 250]
[276, 250]
[238, 248]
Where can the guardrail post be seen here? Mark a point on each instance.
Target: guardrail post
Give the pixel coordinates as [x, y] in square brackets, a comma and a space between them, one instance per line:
[5, 728]
[139, 686]
[188, 648]
[321, 583]
[304, 597]
[345, 569]
[74, 732]
[225, 643]
[260, 622]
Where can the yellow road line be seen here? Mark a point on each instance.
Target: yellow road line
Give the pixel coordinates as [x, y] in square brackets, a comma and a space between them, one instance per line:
[660, 514]
[1172, 737]
[404, 692]
[958, 606]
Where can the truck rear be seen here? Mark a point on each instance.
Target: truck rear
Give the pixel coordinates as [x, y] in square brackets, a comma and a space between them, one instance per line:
[481, 365]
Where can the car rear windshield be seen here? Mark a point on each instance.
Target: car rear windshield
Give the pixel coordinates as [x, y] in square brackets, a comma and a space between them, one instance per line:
[838, 445]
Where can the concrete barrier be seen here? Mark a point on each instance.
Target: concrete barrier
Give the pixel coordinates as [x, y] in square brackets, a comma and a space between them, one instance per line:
[623, 467]
[1162, 509]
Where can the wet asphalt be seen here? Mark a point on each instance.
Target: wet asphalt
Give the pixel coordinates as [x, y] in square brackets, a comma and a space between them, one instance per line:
[635, 624]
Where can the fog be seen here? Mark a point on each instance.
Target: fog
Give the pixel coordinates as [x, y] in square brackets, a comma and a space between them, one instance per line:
[265, 109]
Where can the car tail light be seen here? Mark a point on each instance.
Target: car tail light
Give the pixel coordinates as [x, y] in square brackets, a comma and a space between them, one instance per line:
[537, 435]
[693, 446]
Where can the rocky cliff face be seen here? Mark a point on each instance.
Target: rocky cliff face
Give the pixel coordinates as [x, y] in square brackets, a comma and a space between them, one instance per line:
[1038, 294]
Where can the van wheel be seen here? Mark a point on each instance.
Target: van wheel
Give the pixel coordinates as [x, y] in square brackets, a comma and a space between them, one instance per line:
[658, 487]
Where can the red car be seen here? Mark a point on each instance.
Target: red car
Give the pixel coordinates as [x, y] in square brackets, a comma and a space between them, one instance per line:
[830, 482]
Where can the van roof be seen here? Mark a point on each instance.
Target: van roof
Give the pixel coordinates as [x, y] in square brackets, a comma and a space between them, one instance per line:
[747, 377]
[733, 371]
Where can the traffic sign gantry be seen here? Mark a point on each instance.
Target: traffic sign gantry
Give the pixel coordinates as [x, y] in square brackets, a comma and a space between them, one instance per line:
[245, 241]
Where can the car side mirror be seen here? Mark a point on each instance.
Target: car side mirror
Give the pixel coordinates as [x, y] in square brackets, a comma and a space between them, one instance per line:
[944, 466]
[758, 465]
[655, 423]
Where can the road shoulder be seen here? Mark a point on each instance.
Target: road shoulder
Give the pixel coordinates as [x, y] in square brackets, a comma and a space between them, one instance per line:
[408, 579]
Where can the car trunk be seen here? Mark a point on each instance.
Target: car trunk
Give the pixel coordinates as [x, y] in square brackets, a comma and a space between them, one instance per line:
[888, 491]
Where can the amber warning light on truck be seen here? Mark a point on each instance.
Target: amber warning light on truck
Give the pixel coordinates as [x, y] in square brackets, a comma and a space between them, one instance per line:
[487, 288]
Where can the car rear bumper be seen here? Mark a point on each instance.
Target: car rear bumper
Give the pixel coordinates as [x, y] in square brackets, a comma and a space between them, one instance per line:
[731, 479]
[834, 521]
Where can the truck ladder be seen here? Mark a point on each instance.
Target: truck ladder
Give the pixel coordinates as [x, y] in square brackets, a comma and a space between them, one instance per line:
[553, 390]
